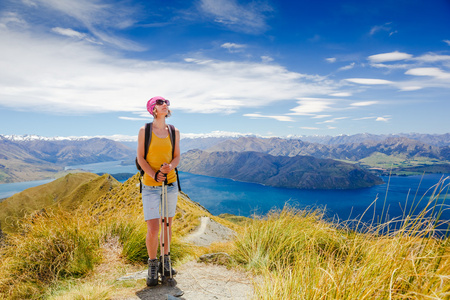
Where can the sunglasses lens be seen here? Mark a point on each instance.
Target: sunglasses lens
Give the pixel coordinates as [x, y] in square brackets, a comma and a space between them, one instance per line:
[161, 102]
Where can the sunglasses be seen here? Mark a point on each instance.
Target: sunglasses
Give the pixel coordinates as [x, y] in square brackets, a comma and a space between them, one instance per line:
[161, 102]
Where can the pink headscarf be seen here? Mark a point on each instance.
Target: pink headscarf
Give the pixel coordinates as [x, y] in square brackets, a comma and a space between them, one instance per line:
[152, 102]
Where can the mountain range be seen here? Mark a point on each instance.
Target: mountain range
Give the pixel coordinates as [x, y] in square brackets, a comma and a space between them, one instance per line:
[33, 159]
[353, 151]
[304, 172]
[203, 143]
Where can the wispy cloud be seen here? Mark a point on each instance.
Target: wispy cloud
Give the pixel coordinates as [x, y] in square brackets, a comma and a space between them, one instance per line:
[74, 34]
[278, 118]
[391, 66]
[334, 120]
[431, 72]
[369, 81]
[310, 106]
[310, 128]
[447, 42]
[387, 57]
[347, 67]
[12, 20]
[250, 18]
[364, 103]
[364, 118]
[386, 27]
[99, 18]
[432, 57]
[331, 59]
[266, 59]
[69, 32]
[341, 94]
[133, 119]
[383, 119]
[232, 47]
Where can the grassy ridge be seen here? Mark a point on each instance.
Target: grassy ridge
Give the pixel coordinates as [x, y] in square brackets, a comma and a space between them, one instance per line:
[68, 192]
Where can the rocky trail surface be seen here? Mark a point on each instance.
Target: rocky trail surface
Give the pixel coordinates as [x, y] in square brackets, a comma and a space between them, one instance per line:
[199, 280]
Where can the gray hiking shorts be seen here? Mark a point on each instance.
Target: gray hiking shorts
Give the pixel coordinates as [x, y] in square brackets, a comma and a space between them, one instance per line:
[151, 200]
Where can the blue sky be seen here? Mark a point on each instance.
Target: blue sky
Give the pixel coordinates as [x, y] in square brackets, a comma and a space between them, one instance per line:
[273, 68]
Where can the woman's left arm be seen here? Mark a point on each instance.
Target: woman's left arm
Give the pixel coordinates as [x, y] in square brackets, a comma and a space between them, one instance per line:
[166, 168]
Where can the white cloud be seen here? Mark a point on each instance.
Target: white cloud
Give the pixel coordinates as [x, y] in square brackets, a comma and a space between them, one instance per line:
[133, 119]
[308, 106]
[97, 18]
[91, 81]
[364, 103]
[331, 59]
[410, 88]
[432, 72]
[391, 66]
[382, 119]
[266, 59]
[447, 42]
[232, 47]
[341, 94]
[387, 27]
[432, 57]
[364, 118]
[348, 67]
[369, 81]
[392, 56]
[332, 120]
[248, 18]
[12, 20]
[278, 118]
[69, 32]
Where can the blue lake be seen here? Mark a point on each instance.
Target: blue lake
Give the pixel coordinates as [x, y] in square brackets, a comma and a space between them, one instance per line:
[220, 195]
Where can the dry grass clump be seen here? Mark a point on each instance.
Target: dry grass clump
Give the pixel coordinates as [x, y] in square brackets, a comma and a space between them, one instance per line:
[50, 246]
[300, 256]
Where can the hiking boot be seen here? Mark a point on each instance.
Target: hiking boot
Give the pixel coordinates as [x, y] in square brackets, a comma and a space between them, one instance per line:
[153, 267]
[167, 265]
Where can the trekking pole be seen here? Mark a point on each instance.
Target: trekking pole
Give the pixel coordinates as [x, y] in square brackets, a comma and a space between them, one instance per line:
[171, 281]
[161, 238]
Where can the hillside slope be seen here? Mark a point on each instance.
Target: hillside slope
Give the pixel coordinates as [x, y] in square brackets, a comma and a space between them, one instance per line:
[304, 172]
[68, 192]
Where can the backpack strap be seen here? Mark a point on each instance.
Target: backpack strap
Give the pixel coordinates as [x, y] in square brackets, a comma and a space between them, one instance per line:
[148, 138]
[173, 140]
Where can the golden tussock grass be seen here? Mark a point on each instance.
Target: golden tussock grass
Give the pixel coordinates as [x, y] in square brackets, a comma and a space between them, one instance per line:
[299, 255]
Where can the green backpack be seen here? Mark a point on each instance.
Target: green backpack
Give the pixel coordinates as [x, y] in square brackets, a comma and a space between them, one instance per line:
[148, 139]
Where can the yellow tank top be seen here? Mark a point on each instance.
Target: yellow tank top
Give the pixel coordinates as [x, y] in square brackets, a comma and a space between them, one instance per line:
[159, 152]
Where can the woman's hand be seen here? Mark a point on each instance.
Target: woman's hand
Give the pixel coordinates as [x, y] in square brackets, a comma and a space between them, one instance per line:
[166, 168]
[160, 176]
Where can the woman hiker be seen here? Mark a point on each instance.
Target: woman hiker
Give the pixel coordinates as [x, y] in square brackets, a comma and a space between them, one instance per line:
[159, 166]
